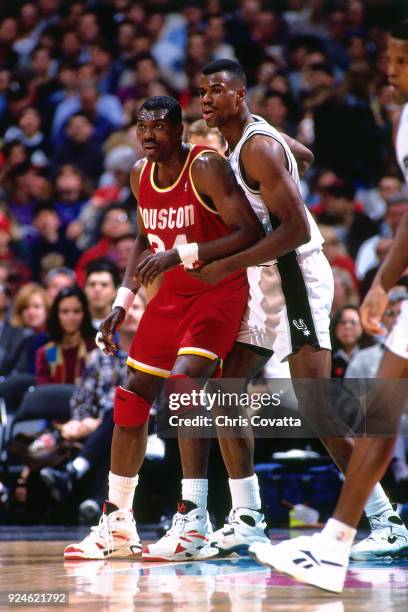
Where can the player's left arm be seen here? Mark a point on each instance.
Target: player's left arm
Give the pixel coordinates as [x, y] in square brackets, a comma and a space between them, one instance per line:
[214, 180]
[388, 275]
[264, 162]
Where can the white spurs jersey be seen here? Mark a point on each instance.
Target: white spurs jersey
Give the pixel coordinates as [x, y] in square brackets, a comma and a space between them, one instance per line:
[260, 126]
[401, 143]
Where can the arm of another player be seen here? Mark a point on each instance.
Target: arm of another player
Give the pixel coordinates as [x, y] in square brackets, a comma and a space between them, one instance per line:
[391, 270]
[130, 285]
[304, 156]
[264, 162]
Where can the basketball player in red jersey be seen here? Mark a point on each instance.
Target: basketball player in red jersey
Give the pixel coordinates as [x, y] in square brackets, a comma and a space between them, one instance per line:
[190, 209]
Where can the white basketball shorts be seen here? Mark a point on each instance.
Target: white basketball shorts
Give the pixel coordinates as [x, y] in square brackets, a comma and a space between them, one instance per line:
[397, 341]
[289, 304]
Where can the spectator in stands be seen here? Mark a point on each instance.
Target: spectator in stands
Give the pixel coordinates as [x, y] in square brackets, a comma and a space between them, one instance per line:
[63, 359]
[92, 418]
[102, 281]
[80, 147]
[106, 72]
[29, 133]
[198, 133]
[352, 225]
[114, 222]
[13, 339]
[51, 239]
[12, 252]
[345, 291]
[71, 193]
[347, 337]
[121, 251]
[275, 109]
[215, 37]
[25, 188]
[336, 252]
[29, 31]
[366, 256]
[57, 279]
[30, 308]
[103, 110]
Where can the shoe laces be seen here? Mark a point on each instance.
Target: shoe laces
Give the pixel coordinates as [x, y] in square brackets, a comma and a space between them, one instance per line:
[229, 528]
[103, 532]
[178, 525]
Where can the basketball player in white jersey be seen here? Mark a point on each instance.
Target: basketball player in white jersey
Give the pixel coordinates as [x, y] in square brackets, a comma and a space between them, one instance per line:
[291, 289]
[322, 559]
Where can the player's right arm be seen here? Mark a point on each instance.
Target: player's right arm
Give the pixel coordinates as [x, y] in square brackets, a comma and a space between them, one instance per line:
[391, 270]
[140, 250]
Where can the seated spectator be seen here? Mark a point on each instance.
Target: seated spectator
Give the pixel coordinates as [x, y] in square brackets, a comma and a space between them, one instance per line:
[57, 279]
[103, 110]
[198, 133]
[12, 251]
[92, 417]
[80, 147]
[102, 281]
[352, 226]
[336, 252]
[375, 200]
[51, 239]
[71, 193]
[114, 222]
[29, 133]
[13, 339]
[381, 249]
[345, 291]
[366, 256]
[121, 251]
[275, 109]
[114, 188]
[30, 310]
[26, 187]
[63, 359]
[347, 337]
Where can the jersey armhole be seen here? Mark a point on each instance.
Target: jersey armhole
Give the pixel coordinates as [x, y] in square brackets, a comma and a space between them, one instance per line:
[289, 166]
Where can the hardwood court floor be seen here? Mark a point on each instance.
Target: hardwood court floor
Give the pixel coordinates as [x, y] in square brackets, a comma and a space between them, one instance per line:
[238, 585]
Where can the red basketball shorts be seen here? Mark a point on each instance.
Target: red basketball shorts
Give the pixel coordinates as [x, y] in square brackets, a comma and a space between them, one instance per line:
[204, 324]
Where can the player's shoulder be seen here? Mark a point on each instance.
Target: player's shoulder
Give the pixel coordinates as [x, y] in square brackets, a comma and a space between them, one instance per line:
[261, 149]
[138, 167]
[208, 162]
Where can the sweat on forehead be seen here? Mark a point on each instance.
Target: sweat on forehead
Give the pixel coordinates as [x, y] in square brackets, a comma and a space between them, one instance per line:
[160, 114]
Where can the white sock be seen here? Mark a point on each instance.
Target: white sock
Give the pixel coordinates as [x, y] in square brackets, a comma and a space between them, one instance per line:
[336, 530]
[195, 490]
[80, 465]
[122, 490]
[245, 492]
[378, 502]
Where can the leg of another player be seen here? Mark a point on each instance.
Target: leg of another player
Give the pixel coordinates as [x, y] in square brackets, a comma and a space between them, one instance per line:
[370, 456]
[246, 522]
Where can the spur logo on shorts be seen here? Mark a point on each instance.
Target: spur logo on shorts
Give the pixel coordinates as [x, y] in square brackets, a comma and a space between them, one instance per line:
[301, 326]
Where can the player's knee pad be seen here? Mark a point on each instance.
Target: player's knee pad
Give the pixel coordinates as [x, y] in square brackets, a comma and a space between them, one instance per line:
[130, 409]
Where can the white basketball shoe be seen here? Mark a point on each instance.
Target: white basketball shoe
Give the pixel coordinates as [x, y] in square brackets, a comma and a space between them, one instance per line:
[187, 539]
[388, 538]
[114, 536]
[315, 560]
[244, 527]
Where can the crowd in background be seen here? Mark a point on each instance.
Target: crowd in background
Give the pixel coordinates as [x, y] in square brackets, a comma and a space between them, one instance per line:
[72, 78]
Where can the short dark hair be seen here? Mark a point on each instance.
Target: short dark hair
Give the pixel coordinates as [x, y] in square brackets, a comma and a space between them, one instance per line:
[54, 325]
[173, 108]
[400, 31]
[234, 69]
[103, 264]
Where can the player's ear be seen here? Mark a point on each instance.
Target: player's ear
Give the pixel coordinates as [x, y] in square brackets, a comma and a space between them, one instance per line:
[241, 95]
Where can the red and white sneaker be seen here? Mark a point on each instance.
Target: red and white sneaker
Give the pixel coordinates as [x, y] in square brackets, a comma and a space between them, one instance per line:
[114, 536]
[187, 539]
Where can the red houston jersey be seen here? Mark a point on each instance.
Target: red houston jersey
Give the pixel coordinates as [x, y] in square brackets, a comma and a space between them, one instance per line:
[177, 215]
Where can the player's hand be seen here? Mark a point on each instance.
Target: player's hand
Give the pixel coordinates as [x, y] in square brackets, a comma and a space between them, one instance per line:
[372, 310]
[212, 273]
[108, 328]
[153, 265]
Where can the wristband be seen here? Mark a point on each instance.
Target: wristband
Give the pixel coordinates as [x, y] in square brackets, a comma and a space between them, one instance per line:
[124, 298]
[188, 254]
